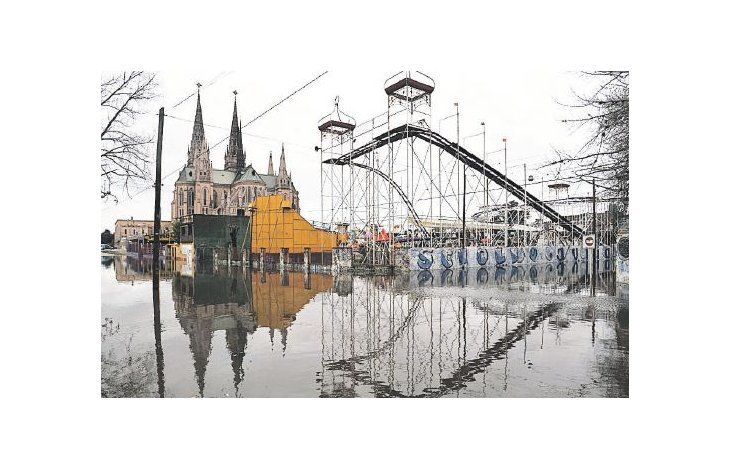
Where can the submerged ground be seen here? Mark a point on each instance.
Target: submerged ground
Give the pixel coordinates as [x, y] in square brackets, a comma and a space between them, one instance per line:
[521, 332]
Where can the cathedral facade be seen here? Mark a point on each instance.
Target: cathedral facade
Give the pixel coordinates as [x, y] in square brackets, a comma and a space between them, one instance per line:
[201, 189]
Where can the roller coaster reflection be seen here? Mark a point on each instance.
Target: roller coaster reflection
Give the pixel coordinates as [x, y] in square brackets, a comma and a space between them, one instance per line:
[415, 336]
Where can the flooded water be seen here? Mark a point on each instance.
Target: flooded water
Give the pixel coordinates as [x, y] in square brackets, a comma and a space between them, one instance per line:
[227, 332]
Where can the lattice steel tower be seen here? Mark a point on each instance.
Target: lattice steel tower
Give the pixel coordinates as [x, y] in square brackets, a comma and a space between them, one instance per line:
[409, 103]
[336, 138]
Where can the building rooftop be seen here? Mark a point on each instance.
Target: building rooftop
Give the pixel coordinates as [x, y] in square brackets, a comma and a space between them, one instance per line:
[139, 221]
[222, 176]
[218, 176]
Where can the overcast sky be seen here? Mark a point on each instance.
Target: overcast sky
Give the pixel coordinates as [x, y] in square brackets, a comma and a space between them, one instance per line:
[520, 105]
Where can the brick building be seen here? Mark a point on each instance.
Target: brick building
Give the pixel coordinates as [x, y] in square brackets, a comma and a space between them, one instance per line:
[126, 228]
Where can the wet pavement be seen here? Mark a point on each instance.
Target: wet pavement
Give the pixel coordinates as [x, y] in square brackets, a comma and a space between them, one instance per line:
[226, 332]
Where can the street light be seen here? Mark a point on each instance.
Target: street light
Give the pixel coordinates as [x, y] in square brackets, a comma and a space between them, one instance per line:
[441, 227]
[484, 174]
[321, 182]
[506, 226]
[484, 167]
[463, 168]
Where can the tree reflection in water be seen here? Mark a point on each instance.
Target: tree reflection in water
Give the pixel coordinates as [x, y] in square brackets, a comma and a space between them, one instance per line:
[129, 375]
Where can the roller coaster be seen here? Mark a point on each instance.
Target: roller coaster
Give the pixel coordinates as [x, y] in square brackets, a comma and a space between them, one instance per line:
[462, 155]
[407, 185]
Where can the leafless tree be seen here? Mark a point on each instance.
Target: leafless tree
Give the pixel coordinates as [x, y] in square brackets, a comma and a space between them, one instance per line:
[603, 113]
[124, 150]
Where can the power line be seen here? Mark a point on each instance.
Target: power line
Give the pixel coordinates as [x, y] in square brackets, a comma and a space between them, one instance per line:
[249, 134]
[210, 83]
[226, 138]
[290, 95]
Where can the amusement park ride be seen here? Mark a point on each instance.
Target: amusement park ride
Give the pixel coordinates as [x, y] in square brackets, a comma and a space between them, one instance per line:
[406, 185]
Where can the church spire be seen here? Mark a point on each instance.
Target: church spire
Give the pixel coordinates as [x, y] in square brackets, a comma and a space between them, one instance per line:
[234, 153]
[201, 334]
[236, 340]
[198, 153]
[271, 165]
[283, 341]
[198, 140]
[282, 179]
[282, 162]
[241, 159]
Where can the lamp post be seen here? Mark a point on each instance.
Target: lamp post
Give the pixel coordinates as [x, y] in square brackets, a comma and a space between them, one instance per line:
[484, 168]
[486, 180]
[321, 183]
[506, 225]
[524, 212]
[463, 168]
[441, 222]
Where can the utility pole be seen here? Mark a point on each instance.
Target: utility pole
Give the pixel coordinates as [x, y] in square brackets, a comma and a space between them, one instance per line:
[158, 185]
[486, 180]
[524, 207]
[391, 255]
[156, 261]
[463, 194]
[506, 226]
[595, 262]
[321, 177]
[542, 217]
[484, 157]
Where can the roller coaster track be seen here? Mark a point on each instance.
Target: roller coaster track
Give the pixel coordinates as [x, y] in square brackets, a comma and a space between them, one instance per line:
[390, 180]
[461, 154]
[464, 373]
[349, 362]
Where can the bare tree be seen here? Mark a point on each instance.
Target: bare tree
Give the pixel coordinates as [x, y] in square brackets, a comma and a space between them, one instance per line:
[604, 156]
[124, 151]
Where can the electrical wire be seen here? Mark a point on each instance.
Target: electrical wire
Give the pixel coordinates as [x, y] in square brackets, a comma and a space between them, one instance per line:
[225, 138]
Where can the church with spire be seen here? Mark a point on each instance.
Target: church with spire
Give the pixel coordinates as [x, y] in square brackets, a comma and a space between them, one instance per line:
[201, 189]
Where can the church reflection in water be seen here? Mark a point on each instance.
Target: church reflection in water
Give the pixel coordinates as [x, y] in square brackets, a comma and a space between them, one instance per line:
[238, 302]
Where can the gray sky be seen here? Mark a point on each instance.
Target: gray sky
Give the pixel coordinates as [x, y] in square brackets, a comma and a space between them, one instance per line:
[520, 105]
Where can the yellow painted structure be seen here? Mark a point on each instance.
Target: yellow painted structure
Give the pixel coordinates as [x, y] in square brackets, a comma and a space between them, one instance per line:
[276, 225]
[276, 305]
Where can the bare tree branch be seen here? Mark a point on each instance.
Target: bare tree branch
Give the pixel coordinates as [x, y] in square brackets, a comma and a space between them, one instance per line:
[124, 151]
[604, 155]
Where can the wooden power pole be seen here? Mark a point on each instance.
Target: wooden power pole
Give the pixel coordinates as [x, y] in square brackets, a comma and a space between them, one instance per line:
[158, 186]
[595, 242]
[156, 262]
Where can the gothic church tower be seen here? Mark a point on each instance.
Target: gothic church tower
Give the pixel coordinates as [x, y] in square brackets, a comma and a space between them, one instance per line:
[282, 179]
[198, 152]
[235, 158]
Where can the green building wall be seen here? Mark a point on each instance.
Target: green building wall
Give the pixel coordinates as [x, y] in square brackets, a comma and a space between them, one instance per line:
[211, 232]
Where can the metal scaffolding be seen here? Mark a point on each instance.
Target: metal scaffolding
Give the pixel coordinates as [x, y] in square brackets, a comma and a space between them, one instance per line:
[407, 185]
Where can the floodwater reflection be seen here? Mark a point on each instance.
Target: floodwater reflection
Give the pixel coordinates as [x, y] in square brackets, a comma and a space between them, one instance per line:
[220, 331]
